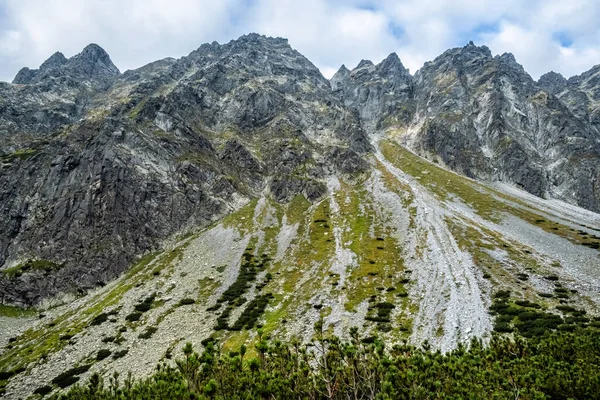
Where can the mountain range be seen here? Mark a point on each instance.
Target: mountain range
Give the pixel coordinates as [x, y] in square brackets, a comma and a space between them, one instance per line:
[237, 186]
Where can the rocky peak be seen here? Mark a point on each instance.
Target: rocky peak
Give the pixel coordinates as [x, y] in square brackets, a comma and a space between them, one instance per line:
[552, 82]
[56, 60]
[462, 55]
[379, 93]
[472, 48]
[338, 79]
[467, 60]
[392, 67]
[364, 64]
[250, 44]
[255, 38]
[588, 81]
[93, 63]
[343, 71]
[25, 75]
[252, 56]
[509, 60]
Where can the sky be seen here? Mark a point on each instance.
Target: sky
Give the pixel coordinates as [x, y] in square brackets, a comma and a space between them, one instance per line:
[544, 35]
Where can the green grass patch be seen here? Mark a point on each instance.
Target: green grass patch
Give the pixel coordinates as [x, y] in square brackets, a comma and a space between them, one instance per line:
[380, 260]
[29, 266]
[16, 312]
[485, 201]
[21, 154]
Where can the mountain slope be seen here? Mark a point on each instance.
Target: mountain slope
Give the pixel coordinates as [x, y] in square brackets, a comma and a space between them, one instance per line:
[431, 243]
[485, 117]
[171, 146]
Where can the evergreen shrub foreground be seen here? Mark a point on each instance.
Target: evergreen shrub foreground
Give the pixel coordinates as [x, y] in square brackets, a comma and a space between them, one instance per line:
[560, 365]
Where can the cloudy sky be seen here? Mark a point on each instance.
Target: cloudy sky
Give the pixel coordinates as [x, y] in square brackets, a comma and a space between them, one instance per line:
[544, 35]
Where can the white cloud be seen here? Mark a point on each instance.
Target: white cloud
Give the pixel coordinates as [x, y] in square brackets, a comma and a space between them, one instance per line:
[328, 32]
[539, 52]
[134, 32]
[10, 43]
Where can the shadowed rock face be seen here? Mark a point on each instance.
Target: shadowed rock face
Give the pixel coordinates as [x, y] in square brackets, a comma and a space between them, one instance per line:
[552, 82]
[382, 94]
[485, 117]
[100, 166]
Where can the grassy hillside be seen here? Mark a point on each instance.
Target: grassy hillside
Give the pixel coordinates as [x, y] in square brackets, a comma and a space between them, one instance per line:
[408, 252]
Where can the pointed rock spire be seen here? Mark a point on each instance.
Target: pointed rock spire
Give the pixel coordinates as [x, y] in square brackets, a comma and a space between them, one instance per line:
[338, 79]
[364, 63]
[392, 66]
[56, 60]
[24, 76]
[552, 82]
[93, 62]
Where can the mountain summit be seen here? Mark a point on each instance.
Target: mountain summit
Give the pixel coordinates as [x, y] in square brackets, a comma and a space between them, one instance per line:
[93, 63]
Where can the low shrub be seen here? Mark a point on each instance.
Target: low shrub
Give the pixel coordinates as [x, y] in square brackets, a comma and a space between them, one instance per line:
[565, 308]
[527, 303]
[43, 390]
[108, 339]
[143, 307]
[522, 276]
[69, 377]
[252, 312]
[133, 317]
[102, 354]
[186, 301]
[151, 330]
[99, 319]
[120, 354]
[384, 310]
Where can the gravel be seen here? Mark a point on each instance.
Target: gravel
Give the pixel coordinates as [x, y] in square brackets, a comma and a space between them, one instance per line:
[452, 308]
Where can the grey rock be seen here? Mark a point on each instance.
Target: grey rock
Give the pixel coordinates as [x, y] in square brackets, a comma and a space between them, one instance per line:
[485, 117]
[379, 93]
[109, 165]
[92, 63]
[552, 82]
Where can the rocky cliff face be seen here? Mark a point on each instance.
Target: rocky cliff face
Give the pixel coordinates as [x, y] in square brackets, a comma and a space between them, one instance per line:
[381, 93]
[59, 93]
[485, 117]
[108, 165]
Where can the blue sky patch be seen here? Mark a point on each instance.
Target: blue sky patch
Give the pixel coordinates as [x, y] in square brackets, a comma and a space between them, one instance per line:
[563, 38]
[396, 30]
